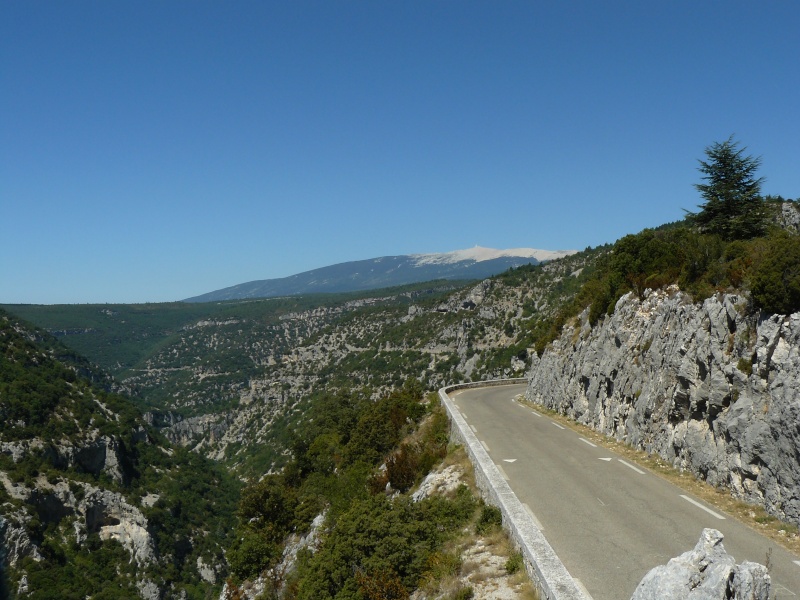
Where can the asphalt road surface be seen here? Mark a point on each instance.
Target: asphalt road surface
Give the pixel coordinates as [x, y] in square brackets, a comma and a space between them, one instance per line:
[608, 520]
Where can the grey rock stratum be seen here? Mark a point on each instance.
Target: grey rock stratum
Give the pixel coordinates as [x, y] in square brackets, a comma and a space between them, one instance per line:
[712, 388]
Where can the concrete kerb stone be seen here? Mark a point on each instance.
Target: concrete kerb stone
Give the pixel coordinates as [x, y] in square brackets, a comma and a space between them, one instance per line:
[546, 570]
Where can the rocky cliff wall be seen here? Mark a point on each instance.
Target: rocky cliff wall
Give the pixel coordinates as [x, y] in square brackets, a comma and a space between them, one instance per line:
[709, 387]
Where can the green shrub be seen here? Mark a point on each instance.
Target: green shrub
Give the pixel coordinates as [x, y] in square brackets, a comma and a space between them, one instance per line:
[402, 467]
[376, 536]
[491, 518]
[384, 585]
[776, 281]
[514, 563]
[251, 554]
[440, 565]
[465, 593]
[745, 366]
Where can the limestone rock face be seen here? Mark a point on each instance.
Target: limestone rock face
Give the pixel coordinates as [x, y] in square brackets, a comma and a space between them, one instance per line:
[789, 216]
[109, 514]
[705, 573]
[439, 482]
[15, 543]
[708, 387]
[210, 427]
[98, 510]
[95, 454]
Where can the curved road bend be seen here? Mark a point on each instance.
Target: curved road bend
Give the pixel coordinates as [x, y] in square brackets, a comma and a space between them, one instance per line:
[608, 520]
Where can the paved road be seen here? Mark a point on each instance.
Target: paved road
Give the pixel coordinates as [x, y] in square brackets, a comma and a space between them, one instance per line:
[608, 520]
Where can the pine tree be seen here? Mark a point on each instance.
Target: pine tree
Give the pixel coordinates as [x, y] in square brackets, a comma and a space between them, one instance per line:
[733, 206]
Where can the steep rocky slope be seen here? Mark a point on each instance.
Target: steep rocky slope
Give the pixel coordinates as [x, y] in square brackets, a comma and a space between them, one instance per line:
[91, 498]
[713, 388]
[236, 380]
[226, 379]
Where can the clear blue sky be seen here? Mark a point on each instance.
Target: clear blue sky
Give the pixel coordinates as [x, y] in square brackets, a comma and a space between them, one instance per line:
[153, 151]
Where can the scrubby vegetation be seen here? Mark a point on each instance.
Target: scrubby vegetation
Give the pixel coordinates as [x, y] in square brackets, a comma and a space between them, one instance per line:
[119, 337]
[337, 448]
[699, 263]
[47, 401]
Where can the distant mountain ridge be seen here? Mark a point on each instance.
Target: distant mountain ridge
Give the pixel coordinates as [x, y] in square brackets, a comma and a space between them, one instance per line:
[387, 271]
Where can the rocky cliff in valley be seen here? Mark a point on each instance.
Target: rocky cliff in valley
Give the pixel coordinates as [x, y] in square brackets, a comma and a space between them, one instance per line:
[91, 498]
[712, 387]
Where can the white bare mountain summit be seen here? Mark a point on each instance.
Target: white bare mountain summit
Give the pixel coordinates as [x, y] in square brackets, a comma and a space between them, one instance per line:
[387, 271]
[481, 254]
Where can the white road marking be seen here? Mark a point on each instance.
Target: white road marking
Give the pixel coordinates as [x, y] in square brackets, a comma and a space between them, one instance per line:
[601, 502]
[457, 393]
[797, 562]
[783, 588]
[473, 429]
[630, 466]
[536, 414]
[606, 459]
[557, 425]
[485, 446]
[582, 588]
[503, 473]
[698, 505]
[510, 460]
[585, 441]
[464, 416]
[533, 517]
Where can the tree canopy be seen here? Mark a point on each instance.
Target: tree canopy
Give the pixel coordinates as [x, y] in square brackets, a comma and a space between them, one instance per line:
[733, 207]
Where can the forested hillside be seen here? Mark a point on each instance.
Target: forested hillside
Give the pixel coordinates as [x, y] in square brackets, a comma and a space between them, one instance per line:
[93, 501]
[229, 382]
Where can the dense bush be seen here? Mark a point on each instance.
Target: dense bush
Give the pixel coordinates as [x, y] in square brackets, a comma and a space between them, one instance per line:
[701, 264]
[375, 546]
[490, 518]
[48, 394]
[335, 449]
[379, 536]
[776, 280]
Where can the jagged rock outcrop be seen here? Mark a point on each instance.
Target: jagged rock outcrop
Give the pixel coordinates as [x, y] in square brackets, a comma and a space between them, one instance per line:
[108, 513]
[101, 455]
[789, 216]
[15, 542]
[439, 482]
[709, 387]
[207, 427]
[474, 298]
[273, 580]
[97, 510]
[705, 573]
